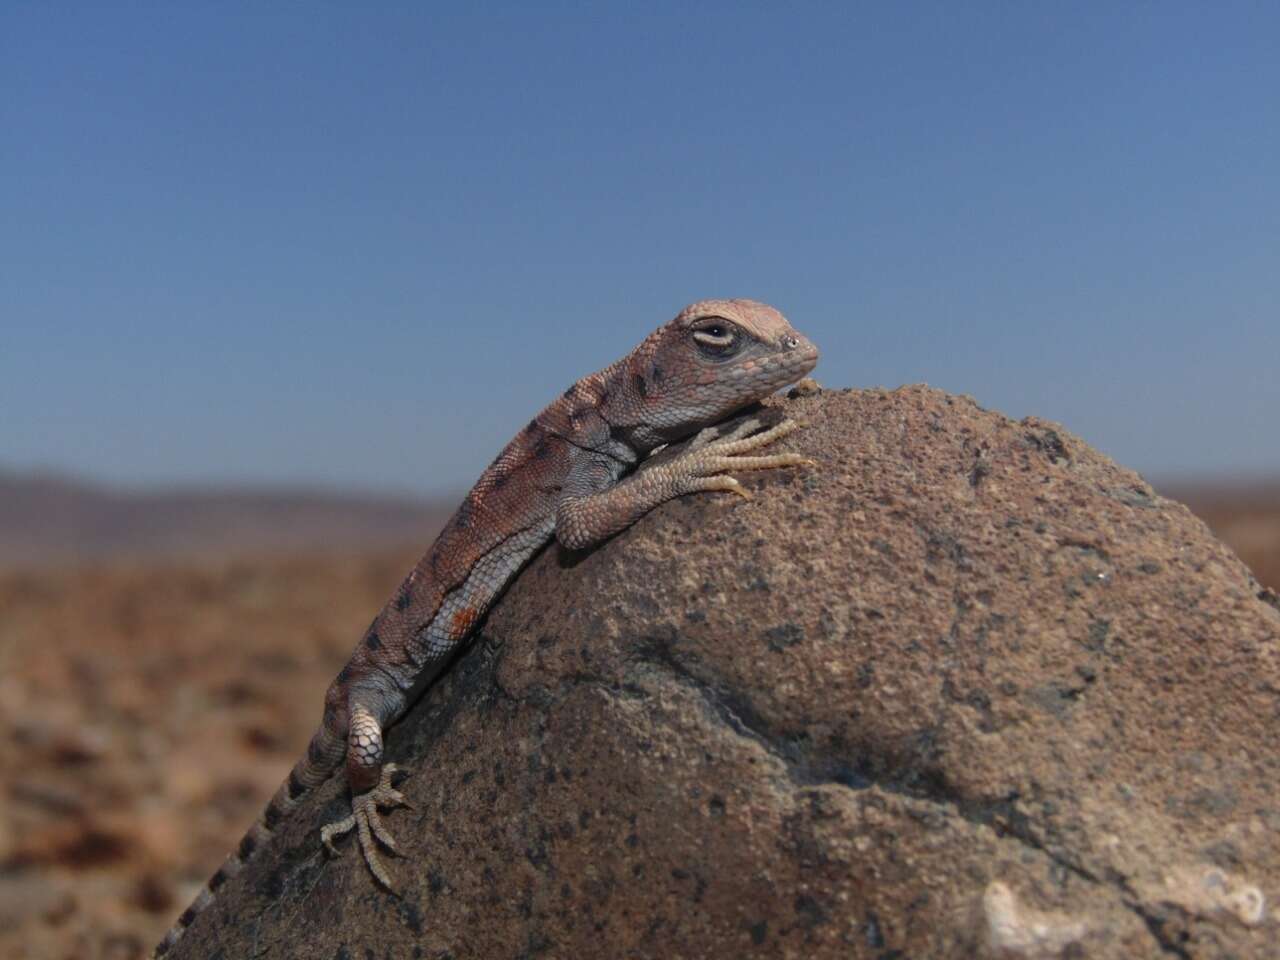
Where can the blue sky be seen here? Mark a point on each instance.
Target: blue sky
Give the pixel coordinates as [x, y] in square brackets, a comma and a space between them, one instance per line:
[358, 247]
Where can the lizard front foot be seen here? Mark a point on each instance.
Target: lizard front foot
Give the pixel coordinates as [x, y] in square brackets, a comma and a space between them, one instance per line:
[366, 822]
[703, 465]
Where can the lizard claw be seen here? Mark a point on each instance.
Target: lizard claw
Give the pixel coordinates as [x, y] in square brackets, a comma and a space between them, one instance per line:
[720, 482]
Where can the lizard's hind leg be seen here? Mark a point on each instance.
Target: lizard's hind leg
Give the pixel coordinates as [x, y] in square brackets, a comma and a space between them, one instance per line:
[371, 790]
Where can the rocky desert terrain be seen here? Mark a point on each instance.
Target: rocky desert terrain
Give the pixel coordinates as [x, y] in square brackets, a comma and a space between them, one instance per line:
[152, 696]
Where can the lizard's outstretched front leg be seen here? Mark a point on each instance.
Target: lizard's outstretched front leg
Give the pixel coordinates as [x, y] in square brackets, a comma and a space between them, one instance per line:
[585, 518]
[371, 790]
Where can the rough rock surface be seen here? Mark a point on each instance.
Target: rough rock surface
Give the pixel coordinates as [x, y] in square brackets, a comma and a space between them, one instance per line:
[969, 688]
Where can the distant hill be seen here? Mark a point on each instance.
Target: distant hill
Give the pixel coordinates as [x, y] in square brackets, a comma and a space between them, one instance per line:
[50, 519]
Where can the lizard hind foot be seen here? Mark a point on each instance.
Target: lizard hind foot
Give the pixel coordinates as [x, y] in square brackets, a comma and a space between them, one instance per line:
[367, 824]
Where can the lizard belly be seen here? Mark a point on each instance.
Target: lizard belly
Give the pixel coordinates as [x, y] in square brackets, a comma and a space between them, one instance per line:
[463, 607]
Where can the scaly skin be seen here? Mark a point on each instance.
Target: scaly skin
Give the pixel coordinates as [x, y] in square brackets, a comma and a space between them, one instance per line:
[567, 475]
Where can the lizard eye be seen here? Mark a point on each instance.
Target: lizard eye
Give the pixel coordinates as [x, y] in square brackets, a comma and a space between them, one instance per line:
[716, 337]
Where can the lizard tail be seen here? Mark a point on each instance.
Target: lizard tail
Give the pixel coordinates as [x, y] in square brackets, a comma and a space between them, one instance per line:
[323, 756]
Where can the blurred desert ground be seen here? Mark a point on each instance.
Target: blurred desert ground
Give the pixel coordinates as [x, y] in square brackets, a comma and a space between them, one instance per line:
[162, 662]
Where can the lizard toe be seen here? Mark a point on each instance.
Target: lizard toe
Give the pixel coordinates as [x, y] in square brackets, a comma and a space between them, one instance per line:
[379, 831]
[369, 827]
[330, 831]
[718, 482]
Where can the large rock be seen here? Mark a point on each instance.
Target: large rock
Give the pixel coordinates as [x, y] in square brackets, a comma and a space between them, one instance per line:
[967, 688]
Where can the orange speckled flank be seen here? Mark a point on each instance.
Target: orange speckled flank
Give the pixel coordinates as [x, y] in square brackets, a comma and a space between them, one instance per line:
[464, 620]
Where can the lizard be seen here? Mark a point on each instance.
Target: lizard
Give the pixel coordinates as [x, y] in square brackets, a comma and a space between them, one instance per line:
[570, 475]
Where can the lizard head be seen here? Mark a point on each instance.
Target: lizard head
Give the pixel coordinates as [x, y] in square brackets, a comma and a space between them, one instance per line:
[714, 358]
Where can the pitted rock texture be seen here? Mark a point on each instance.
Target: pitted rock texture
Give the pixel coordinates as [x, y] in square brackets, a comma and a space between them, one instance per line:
[968, 688]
